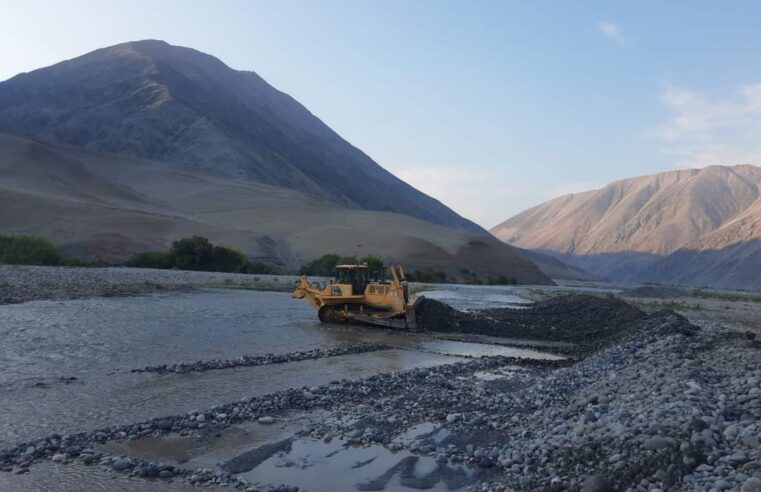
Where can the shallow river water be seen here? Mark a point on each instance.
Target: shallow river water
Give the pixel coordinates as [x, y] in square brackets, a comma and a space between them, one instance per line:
[66, 365]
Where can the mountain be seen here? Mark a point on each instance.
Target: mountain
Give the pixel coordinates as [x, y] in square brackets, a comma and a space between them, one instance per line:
[699, 227]
[98, 205]
[166, 103]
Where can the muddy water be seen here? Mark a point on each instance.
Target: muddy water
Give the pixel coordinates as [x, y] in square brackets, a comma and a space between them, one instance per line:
[466, 297]
[66, 368]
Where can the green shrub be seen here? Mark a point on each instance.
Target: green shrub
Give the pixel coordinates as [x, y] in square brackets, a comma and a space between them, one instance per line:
[372, 261]
[74, 262]
[191, 253]
[224, 259]
[150, 259]
[28, 250]
[427, 276]
[323, 266]
[503, 280]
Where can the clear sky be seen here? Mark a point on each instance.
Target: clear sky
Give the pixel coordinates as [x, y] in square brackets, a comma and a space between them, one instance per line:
[491, 107]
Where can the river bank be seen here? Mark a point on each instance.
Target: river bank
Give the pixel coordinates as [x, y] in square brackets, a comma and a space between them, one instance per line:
[650, 401]
[33, 283]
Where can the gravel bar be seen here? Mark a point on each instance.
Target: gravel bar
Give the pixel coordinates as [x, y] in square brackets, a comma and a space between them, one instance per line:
[262, 360]
[34, 283]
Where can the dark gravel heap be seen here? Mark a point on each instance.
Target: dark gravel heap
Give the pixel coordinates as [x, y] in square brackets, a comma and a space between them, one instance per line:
[588, 321]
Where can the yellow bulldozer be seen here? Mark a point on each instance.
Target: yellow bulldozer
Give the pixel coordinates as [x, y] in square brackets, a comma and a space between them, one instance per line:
[362, 294]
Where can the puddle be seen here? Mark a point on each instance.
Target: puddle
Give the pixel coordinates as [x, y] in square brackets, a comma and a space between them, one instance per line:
[468, 297]
[423, 433]
[497, 374]
[317, 466]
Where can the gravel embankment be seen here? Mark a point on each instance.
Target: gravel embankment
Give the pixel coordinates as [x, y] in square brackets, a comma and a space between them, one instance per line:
[31, 283]
[586, 321]
[668, 407]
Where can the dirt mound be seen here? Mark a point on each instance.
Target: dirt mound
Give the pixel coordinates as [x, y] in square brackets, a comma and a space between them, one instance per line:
[579, 319]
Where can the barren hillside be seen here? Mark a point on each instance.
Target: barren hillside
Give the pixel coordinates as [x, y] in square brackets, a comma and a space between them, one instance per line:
[167, 103]
[697, 227]
[108, 206]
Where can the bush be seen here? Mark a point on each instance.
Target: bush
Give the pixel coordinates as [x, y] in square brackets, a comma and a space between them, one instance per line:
[503, 280]
[224, 259]
[325, 265]
[197, 253]
[28, 250]
[74, 263]
[427, 276]
[191, 253]
[150, 259]
[372, 261]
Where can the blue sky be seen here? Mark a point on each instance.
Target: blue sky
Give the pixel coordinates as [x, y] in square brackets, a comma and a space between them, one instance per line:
[491, 107]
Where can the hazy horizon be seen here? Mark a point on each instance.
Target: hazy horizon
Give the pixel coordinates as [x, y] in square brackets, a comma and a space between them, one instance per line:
[491, 110]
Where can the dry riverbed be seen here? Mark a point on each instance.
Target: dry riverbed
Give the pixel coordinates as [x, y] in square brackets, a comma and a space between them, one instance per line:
[646, 401]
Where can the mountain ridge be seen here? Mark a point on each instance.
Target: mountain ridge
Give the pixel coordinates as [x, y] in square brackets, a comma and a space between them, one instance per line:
[161, 102]
[623, 230]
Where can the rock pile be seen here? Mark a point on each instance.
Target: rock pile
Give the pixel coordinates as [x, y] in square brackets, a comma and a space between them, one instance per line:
[587, 321]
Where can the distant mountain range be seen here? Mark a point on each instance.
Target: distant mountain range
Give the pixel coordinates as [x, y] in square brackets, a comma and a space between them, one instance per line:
[696, 227]
[130, 147]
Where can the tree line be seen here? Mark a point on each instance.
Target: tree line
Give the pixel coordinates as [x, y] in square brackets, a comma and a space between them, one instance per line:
[198, 253]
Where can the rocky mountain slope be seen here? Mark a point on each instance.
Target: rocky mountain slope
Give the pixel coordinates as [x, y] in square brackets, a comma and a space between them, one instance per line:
[108, 206]
[172, 104]
[697, 227]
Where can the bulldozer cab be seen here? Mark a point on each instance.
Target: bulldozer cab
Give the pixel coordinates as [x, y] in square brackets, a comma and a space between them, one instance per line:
[358, 276]
[354, 275]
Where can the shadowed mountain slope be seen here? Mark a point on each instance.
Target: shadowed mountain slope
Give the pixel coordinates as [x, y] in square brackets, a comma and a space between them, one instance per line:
[166, 103]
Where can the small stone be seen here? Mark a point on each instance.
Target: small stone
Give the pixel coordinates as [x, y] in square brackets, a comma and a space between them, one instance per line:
[560, 429]
[738, 458]
[164, 424]
[753, 484]
[596, 483]
[485, 462]
[426, 448]
[122, 464]
[308, 396]
[266, 420]
[656, 443]
[166, 474]
[59, 457]
[730, 433]
[201, 418]
[722, 484]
